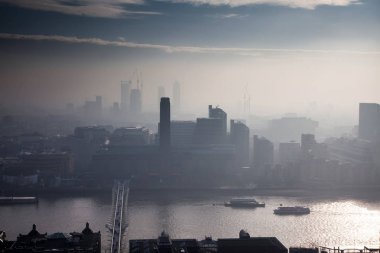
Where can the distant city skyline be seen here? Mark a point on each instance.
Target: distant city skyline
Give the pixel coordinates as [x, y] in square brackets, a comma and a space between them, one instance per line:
[317, 58]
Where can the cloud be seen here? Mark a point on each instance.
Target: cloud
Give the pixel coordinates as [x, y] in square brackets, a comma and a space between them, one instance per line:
[228, 16]
[179, 49]
[306, 4]
[91, 8]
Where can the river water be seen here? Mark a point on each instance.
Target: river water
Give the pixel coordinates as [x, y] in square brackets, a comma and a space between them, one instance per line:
[349, 221]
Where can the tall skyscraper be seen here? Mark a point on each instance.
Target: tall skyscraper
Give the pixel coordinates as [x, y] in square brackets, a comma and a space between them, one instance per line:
[164, 127]
[177, 96]
[239, 137]
[211, 130]
[369, 121]
[218, 113]
[136, 101]
[125, 95]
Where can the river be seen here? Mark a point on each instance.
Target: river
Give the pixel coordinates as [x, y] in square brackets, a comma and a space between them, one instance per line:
[348, 221]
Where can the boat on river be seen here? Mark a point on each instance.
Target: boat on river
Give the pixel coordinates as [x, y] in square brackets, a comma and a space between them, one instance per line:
[244, 202]
[291, 210]
[18, 200]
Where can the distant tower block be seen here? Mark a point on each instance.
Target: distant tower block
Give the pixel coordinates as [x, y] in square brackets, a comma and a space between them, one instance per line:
[176, 96]
[125, 94]
[164, 127]
[136, 101]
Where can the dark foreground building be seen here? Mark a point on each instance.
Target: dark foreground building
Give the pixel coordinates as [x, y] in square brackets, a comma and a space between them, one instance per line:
[243, 244]
[85, 242]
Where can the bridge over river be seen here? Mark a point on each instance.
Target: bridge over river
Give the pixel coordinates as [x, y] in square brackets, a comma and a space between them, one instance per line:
[118, 226]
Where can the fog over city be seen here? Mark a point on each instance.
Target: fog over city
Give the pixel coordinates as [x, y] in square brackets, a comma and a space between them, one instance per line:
[312, 58]
[203, 126]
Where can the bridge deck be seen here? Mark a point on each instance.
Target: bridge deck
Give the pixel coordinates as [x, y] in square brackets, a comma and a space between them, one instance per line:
[121, 197]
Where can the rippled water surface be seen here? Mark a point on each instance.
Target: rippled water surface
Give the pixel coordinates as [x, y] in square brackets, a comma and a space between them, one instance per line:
[333, 221]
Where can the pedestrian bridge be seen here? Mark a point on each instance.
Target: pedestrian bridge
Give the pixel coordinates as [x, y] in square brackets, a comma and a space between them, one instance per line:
[118, 226]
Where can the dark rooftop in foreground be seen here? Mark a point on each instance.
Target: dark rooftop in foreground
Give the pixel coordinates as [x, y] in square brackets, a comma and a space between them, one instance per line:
[86, 242]
[245, 243]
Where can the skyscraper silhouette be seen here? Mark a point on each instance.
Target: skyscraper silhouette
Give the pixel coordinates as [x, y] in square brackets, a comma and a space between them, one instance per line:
[164, 124]
[136, 101]
[125, 94]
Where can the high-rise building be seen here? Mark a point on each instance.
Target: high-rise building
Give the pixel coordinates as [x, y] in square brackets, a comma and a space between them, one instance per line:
[176, 96]
[369, 121]
[239, 137]
[164, 126]
[218, 113]
[263, 152]
[136, 101]
[211, 130]
[125, 95]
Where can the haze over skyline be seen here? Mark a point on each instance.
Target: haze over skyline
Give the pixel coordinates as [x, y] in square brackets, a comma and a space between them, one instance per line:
[291, 56]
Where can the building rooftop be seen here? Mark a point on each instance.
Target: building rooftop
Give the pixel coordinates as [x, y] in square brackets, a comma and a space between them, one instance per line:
[34, 241]
[243, 244]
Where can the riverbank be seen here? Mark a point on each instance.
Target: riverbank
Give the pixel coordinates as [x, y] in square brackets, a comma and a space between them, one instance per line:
[259, 191]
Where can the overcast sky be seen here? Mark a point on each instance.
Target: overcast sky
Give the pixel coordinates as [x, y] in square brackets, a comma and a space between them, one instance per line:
[288, 55]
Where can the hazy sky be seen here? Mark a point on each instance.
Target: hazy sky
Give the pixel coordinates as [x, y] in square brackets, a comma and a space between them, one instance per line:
[318, 56]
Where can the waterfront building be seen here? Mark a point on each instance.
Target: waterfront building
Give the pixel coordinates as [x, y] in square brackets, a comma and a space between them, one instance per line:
[48, 163]
[203, 166]
[358, 157]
